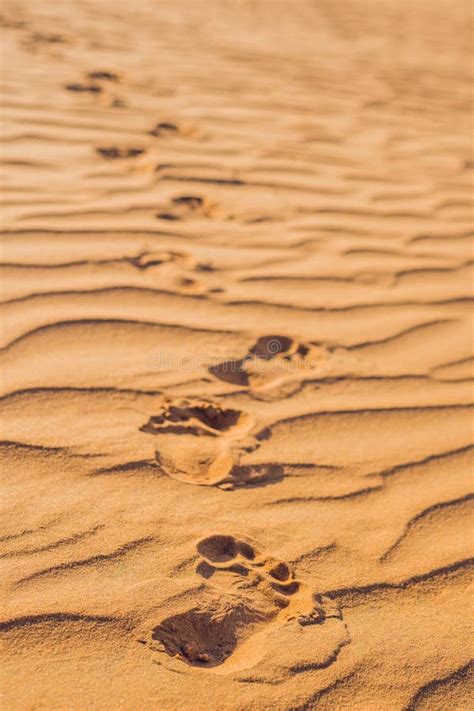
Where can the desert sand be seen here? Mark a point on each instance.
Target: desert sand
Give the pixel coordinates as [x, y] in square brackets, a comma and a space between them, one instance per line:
[236, 355]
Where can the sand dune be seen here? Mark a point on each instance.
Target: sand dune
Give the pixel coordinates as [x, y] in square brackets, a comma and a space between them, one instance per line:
[236, 355]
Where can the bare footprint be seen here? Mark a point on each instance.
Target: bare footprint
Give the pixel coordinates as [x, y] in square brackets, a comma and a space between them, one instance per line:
[89, 87]
[164, 128]
[198, 417]
[148, 260]
[274, 367]
[103, 76]
[185, 206]
[97, 83]
[172, 129]
[176, 271]
[247, 598]
[114, 152]
[199, 441]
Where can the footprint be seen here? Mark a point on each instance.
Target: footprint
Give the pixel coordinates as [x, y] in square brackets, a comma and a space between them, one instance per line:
[185, 206]
[84, 88]
[176, 271]
[201, 442]
[246, 596]
[148, 260]
[203, 637]
[164, 128]
[114, 153]
[197, 418]
[274, 367]
[92, 83]
[103, 76]
[37, 40]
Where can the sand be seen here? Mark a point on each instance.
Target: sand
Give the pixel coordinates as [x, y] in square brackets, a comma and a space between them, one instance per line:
[236, 355]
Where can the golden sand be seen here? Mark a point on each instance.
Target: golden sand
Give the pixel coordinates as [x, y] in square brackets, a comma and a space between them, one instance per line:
[236, 363]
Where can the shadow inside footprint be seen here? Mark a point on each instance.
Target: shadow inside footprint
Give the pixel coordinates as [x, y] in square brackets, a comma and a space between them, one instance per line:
[164, 128]
[204, 637]
[280, 571]
[103, 76]
[268, 347]
[146, 260]
[223, 549]
[183, 206]
[231, 371]
[289, 588]
[192, 201]
[198, 419]
[83, 88]
[218, 549]
[114, 153]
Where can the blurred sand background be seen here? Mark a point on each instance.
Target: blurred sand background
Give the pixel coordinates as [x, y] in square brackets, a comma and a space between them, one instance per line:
[236, 355]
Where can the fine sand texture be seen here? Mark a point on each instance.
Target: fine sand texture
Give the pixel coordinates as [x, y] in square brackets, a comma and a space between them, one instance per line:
[236, 355]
